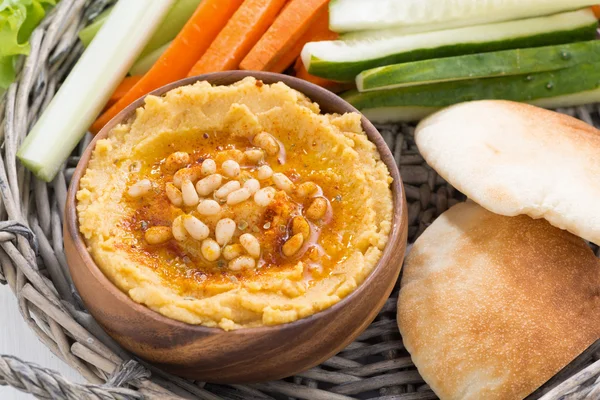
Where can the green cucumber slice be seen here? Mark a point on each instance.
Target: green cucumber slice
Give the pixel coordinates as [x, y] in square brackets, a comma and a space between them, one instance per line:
[429, 15]
[569, 100]
[481, 65]
[384, 115]
[404, 104]
[343, 60]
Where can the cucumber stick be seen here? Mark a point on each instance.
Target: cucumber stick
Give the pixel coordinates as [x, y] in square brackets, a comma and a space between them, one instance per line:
[428, 15]
[343, 60]
[481, 65]
[569, 100]
[410, 114]
[415, 102]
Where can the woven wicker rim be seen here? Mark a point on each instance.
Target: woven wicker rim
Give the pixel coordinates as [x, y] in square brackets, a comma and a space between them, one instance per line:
[32, 265]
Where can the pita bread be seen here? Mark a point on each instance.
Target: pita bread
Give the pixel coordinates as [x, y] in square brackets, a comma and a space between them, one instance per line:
[491, 307]
[515, 159]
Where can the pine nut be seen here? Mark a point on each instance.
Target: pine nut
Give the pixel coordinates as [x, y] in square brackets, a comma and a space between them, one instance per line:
[190, 174]
[307, 189]
[293, 244]
[317, 209]
[227, 188]
[254, 155]
[283, 182]
[210, 250]
[264, 196]
[196, 228]
[232, 251]
[300, 225]
[208, 207]
[158, 234]
[209, 167]
[176, 161]
[173, 194]
[251, 244]
[189, 194]
[267, 142]
[139, 188]
[238, 196]
[264, 172]
[231, 168]
[206, 186]
[224, 231]
[242, 262]
[231, 154]
[179, 232]
[252, 185]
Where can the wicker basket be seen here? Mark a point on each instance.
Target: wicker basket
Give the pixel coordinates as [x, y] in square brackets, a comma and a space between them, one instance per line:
[33, 265]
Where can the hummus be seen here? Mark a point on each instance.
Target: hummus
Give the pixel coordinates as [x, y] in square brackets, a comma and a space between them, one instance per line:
[236, 206]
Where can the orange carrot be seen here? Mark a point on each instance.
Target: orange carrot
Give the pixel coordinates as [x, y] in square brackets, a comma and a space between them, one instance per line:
[240, 34]
[189, 45]
[318, 31]
[126, 84]
[289, 26]
[335, 87]
[596, 10]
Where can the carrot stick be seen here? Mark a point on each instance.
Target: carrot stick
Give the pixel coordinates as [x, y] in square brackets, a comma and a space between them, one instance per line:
[318, 31]
[289, 26]
[240, 34]
[189, 45]
[126, 84]
[335, 87]
[596, 10]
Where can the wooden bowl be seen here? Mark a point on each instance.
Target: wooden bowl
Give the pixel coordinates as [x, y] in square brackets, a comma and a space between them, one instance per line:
[244, 355]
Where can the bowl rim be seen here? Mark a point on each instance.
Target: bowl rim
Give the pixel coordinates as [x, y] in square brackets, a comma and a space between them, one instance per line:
[399, 212]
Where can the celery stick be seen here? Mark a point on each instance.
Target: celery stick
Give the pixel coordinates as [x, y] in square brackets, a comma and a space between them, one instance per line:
[179, 14]
[143, 64]
[87, 34]
[175, 20]
[90, 84]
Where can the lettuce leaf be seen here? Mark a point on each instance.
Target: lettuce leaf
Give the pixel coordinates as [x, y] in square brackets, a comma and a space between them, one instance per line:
[7, 70]
[18, 19]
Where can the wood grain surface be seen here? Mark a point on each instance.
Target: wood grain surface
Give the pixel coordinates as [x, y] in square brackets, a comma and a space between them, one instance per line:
[245, 355]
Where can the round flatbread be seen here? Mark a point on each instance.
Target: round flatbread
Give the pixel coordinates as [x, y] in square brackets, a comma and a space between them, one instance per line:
[515, 159]
[491, 307]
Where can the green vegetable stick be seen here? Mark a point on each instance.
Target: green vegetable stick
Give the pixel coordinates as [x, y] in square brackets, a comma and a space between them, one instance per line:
[340, 60]
[414, 102]
[90, 84]
[175, 20]
[143, 64]
[480, 65]
[87, 34]
[179, 14]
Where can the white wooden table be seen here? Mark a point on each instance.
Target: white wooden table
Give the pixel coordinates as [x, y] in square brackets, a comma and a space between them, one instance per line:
[18, 340]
